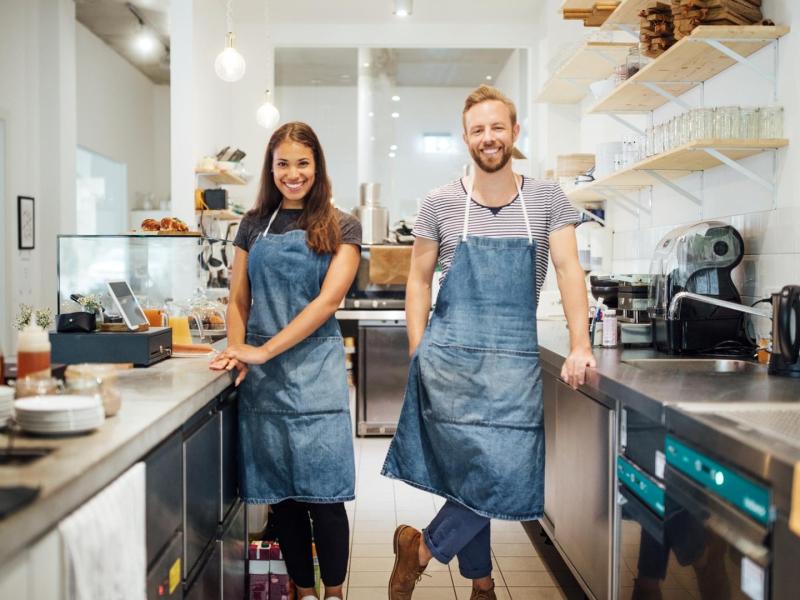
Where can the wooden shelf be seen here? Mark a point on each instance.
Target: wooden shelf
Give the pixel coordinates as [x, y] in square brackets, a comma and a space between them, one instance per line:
[220, 215]
[626, 13]
[686, 65]
[221, 177]
[577, 4]
[674, 164]
[591, 62]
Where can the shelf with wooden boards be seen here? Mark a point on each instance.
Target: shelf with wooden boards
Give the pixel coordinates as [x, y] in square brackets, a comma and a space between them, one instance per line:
[592, 61]
[625, 16]
[690, 62]
[221, 177]
[698, 155]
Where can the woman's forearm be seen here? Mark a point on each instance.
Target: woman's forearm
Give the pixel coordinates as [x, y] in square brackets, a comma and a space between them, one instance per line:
[237, 322]
[311, 318]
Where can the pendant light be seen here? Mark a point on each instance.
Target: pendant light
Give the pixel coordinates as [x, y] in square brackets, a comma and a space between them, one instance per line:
[267, 115]
[229, 65]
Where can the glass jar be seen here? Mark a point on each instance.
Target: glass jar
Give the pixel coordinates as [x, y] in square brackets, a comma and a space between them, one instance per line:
[748, 123]
[92, 379]
[702, 127]
[37, 385]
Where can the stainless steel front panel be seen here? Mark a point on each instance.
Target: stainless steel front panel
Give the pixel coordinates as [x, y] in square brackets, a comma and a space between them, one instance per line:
[158, 576]
[584, 521]
[228, 454]
[551, 474]
[207, 585]
[382, 376]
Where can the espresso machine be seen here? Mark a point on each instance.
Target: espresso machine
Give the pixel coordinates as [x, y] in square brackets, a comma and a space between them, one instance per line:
[697, 260]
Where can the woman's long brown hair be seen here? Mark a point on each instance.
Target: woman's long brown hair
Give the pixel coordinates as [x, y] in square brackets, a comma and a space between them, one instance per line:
[319, 218]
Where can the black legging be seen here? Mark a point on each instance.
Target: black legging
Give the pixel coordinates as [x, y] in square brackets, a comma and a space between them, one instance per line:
[331, 536]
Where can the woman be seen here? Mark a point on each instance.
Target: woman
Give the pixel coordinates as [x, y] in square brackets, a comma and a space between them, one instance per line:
[296, 257]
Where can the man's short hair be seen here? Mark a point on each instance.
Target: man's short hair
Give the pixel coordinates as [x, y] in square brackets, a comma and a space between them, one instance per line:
[485, 93]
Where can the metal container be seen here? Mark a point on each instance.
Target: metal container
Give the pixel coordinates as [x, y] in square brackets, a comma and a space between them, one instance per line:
[374, 217]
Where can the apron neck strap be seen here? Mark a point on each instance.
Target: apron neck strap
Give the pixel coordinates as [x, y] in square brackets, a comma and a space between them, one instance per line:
[272, 220]
[521, 200]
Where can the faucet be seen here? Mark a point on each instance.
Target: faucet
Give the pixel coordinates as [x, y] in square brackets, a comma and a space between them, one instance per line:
[677, 299]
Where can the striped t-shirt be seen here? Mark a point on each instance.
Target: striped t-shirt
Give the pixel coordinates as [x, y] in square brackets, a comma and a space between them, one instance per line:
[441, 218]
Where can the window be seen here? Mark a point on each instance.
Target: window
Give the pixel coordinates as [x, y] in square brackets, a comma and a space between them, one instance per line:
[438, 143]
[101, 197]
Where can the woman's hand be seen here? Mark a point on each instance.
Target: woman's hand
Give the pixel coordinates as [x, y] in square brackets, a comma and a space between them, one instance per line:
[227, 364]
[574, 370]
[243, 353]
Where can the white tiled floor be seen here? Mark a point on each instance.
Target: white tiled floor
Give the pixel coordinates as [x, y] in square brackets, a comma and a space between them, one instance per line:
[381, 504]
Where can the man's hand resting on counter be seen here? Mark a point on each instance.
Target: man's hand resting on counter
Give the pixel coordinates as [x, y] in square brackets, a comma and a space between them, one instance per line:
[574, 370]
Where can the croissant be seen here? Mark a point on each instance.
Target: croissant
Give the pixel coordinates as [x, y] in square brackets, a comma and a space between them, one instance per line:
[150, 225]
[168, 224]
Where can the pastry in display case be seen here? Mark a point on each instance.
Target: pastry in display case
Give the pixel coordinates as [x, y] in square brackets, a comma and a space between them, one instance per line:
[163, 271]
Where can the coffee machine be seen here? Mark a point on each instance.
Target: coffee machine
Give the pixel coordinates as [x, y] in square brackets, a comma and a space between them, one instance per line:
[697, 259]
[785, 356]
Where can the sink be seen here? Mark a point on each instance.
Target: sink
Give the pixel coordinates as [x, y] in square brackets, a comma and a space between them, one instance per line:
[697, 365]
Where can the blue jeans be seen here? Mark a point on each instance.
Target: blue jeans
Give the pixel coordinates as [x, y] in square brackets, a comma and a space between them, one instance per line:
[457, 531]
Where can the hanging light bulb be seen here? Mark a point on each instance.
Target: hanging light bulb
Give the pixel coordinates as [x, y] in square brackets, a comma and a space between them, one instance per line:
[267, 115]
[229, 64]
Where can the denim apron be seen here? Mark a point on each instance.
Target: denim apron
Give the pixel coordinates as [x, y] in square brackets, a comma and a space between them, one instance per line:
[471, 429]
[294, 415]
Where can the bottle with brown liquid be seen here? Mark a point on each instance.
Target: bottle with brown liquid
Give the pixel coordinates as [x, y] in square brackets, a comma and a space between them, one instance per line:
[33, 352]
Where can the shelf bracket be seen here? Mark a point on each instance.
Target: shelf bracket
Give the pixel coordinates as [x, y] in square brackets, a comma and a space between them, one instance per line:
[624, 201]
[665, 94]
[733, 164]
[674, 186]
[719, 46]
[627, 124]
[604, 56]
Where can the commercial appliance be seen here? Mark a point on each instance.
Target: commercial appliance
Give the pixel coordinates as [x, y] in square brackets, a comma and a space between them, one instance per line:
[785, 356]
[697, 260]
[376, 293]
[374, 217]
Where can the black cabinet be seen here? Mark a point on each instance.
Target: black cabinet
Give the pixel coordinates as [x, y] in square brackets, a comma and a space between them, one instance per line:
[164, 503]
[234, 551]
[229, 459]
[202, 481]
[164, 578]
[207, 584]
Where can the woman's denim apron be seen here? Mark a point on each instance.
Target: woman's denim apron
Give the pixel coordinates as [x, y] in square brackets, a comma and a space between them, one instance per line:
[471, 428]
[294, 416]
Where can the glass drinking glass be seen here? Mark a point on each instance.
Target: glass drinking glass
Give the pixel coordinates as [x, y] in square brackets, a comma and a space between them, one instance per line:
[748, 123]
[726, 122]
[32, 385]
[702, 124]
[770, 122]
[649, 141]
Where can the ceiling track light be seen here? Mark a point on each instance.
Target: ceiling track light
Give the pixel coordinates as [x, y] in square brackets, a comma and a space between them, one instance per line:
[229, 64]
[402, 8]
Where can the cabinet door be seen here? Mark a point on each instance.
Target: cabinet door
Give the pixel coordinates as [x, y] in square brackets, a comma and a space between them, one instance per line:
[550, 448]
[230, 442]
[583, 482]
[201, 455]
[164, 476]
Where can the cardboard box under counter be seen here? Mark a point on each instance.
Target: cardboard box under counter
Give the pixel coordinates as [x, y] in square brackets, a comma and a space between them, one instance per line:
[142, 348]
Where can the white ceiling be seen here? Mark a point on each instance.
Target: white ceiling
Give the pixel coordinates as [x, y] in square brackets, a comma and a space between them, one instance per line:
[113, 22]
[405, 66]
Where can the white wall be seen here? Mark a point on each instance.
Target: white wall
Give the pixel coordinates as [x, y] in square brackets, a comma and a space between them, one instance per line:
[37, 101]
[769, 223]
[127, 120]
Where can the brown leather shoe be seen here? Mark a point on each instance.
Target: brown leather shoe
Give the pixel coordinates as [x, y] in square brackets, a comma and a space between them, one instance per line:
[407, 571]
[483, 594]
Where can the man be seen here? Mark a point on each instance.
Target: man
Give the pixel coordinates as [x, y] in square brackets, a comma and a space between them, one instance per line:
[471, 429]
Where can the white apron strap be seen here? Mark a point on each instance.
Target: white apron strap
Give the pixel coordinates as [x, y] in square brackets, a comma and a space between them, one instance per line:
[272, 220]
[521, 199]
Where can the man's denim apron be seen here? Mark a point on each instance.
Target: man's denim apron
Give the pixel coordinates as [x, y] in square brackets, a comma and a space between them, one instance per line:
[471, 429]
[294, 416]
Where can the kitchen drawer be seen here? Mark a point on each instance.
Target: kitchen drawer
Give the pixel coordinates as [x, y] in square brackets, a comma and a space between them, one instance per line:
[164, 494]
[234, 550]
[229, 457]
[164, 578]
[202, 473]
[207, 585]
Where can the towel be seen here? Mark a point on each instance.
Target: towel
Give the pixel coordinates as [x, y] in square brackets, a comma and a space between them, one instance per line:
[104, 542]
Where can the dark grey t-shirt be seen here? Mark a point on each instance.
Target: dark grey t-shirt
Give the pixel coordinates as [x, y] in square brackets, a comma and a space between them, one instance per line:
[252, 227]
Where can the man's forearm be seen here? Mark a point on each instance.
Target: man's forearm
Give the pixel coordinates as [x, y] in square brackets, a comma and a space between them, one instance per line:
[418, 306]
[576, 305]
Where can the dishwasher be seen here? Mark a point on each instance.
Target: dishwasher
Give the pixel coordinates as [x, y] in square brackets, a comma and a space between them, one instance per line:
[382, 375]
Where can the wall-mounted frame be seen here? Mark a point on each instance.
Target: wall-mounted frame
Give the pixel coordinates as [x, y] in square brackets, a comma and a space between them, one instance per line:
[26, 223]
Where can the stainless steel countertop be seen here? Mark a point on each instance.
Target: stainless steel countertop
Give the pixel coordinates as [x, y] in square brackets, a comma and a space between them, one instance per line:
[668, 396]
[155, 402]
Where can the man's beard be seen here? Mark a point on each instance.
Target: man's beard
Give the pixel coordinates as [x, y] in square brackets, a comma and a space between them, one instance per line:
[476, 156]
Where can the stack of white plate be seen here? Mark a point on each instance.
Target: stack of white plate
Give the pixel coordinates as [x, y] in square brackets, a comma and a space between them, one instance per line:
[6, 403]
[59, 414]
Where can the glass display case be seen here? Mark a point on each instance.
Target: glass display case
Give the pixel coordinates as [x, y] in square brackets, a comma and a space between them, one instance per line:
[163, 271]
